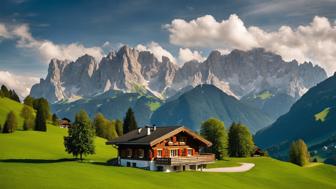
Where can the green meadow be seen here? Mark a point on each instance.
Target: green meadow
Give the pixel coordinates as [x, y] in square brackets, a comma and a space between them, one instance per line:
[31, 159]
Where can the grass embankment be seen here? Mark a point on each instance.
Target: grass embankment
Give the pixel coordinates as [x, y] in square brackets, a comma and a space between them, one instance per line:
[30, 159]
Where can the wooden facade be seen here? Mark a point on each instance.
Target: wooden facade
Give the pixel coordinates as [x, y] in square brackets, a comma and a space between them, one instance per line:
[176, 147]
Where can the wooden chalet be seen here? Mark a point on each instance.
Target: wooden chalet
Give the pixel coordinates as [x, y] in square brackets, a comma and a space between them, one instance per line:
[65, 123]
[167, 149]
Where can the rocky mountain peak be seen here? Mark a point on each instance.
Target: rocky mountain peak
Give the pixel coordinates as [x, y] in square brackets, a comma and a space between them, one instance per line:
[239, 73]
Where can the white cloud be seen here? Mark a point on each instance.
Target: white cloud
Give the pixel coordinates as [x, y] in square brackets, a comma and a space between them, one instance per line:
[314, 42]
[207, 32]
[47, 49]
[21, 84]
[3, 31]
[157, 50]
[185, 55]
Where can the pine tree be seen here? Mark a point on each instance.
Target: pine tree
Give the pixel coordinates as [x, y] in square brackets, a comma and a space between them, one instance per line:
[54, 120]
[41, 106]
[240, 141]
[80, 139]
[119, 127]
[10, 124]
[14, 96]
[214, 131]
[130, 123]
[5, 91]
[27, 113]
[298, 153]
[40, 121]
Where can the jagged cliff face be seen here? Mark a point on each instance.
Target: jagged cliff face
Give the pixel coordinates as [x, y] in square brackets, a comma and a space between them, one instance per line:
[238, 74]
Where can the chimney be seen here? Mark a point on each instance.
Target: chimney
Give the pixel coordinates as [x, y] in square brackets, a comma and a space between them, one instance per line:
[139, 130]
[154, 127]
[148, 130]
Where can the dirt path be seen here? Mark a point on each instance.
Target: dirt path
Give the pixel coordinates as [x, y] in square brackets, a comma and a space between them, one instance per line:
[244, 167]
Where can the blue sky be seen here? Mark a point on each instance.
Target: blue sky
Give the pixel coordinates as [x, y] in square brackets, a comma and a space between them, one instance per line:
[92, 23]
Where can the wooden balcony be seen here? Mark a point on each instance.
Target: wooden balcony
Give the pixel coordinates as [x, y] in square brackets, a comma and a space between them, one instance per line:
[186, 160]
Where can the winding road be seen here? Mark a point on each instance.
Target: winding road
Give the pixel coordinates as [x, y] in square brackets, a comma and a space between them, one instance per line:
[242, 168]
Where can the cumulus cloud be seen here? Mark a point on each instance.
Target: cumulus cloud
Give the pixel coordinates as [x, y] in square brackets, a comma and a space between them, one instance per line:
[185, 55]
[45, 48]
[3, 31]
[21, 84]
[313, 42]
[157, 50]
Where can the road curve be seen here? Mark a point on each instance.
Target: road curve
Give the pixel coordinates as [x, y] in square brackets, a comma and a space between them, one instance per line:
[242, 168]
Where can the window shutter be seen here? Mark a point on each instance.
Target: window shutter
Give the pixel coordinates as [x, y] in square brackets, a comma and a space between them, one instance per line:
[193, 151]
[150, 154]
[155, 152]
[163, 152]
[179, 152]
[186, 151]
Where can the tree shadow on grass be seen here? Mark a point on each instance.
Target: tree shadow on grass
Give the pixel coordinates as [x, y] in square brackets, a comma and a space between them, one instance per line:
[37, 160]
[111, 162]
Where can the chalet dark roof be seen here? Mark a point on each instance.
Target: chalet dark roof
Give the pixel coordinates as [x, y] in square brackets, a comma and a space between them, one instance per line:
[157, 135]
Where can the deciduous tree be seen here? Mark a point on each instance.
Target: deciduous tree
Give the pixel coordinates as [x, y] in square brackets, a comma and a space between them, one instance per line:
[214, 131]
[27, 113]
[80, 139]
[240, 141]
[298, 153]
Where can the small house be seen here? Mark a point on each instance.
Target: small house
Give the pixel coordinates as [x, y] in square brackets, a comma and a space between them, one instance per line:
[65, 123]
[174, 148]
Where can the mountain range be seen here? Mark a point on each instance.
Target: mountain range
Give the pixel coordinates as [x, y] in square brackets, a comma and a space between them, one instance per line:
[259, 78]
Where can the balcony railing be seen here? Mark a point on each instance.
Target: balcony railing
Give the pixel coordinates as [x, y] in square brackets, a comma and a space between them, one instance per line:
[186, 160]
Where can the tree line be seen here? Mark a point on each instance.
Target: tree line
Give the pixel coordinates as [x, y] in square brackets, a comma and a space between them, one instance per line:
[11, 94]
[80, 139]
[35, 114]
[235, 142]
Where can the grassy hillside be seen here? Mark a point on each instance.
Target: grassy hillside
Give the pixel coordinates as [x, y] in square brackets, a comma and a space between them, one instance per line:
[30, 159]
[37, 160]
[7, 105]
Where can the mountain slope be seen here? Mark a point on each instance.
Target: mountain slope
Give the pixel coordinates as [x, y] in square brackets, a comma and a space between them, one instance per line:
[206, 101]
[112, 104]
[311, 118]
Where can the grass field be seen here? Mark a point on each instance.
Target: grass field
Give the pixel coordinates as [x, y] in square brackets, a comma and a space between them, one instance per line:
[30, 159]
[7, 105]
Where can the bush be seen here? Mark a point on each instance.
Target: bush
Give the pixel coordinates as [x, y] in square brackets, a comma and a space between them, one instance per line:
[298, 153]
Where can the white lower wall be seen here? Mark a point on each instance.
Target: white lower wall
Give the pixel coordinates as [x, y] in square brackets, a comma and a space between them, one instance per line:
[150, 165]
[139, 163]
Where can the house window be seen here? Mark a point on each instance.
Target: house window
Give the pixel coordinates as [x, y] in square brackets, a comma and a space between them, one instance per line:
[189, 152]
[183, 139]
[159, 153]
[173, 152]
[141, 153]
[129, 152]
